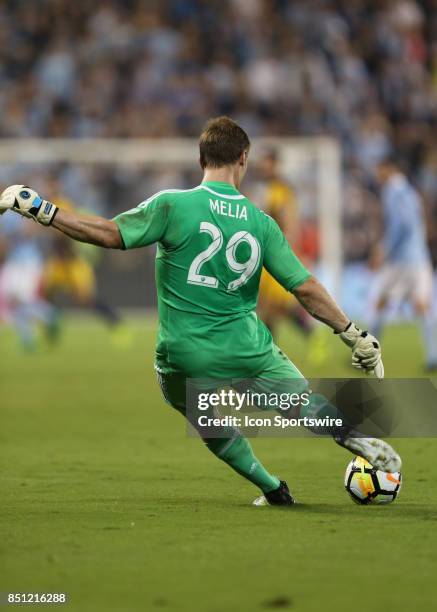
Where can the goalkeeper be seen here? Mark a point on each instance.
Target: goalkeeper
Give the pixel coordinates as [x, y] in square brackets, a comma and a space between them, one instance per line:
[212, 245]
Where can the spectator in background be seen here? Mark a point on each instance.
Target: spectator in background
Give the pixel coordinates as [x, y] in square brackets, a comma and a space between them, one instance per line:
[82, 66]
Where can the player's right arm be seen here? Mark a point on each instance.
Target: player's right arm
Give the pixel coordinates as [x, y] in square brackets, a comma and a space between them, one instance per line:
[86, 228]
[286, 268]
[92, 229]
[134, 228]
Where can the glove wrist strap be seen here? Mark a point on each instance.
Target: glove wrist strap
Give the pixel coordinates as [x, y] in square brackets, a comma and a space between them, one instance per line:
[337, 333]
[43, 211]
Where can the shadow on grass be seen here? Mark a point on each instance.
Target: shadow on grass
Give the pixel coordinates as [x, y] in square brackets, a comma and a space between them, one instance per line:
[402, 511]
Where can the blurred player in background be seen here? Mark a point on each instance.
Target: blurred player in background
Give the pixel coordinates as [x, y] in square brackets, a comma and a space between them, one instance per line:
[21, 274]
[68, 273]
[428, 191]
[406, 272]
[277, 198]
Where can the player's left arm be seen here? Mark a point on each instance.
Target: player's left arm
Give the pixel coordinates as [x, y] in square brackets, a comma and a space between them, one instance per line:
[366, 350]
[289, 271]
[316, 300]
[84, 228]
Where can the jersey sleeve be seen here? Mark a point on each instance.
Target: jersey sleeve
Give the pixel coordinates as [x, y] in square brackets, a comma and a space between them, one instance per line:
[279, 259]
[144, 224]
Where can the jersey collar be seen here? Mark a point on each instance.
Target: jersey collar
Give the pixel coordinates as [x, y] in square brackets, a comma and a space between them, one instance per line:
[218, 188]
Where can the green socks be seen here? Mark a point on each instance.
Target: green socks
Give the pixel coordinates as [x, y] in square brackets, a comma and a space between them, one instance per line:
[237, 452]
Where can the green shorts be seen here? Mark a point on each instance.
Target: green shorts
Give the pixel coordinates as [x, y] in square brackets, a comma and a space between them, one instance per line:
[280, 376]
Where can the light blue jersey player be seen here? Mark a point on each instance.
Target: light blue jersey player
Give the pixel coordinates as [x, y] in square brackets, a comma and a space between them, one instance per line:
[21, 267]
[406, 273]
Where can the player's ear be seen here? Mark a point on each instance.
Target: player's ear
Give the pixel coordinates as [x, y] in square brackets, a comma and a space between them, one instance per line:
[243, 158]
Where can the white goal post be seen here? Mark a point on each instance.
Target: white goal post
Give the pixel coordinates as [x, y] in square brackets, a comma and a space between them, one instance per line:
[304, 161]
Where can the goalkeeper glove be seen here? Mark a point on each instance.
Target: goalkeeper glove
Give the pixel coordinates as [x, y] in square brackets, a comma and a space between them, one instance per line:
[366, 350]
[28, 203]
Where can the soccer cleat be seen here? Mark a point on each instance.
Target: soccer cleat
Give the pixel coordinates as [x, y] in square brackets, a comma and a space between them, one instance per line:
[377, 452]
[279, 497]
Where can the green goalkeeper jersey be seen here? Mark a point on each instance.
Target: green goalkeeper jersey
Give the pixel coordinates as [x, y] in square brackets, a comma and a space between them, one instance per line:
[212, 245]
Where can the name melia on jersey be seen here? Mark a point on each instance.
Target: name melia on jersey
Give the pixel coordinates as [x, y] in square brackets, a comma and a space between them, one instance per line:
[228, 209]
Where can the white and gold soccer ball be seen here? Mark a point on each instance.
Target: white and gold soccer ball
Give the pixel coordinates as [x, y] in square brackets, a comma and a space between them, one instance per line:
[367, 485]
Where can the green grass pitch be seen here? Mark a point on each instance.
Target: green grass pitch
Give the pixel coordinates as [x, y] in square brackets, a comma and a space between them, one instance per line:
[105, 498]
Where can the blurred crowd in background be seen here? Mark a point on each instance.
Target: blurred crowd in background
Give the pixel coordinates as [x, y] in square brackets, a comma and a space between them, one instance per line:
[363, 71]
